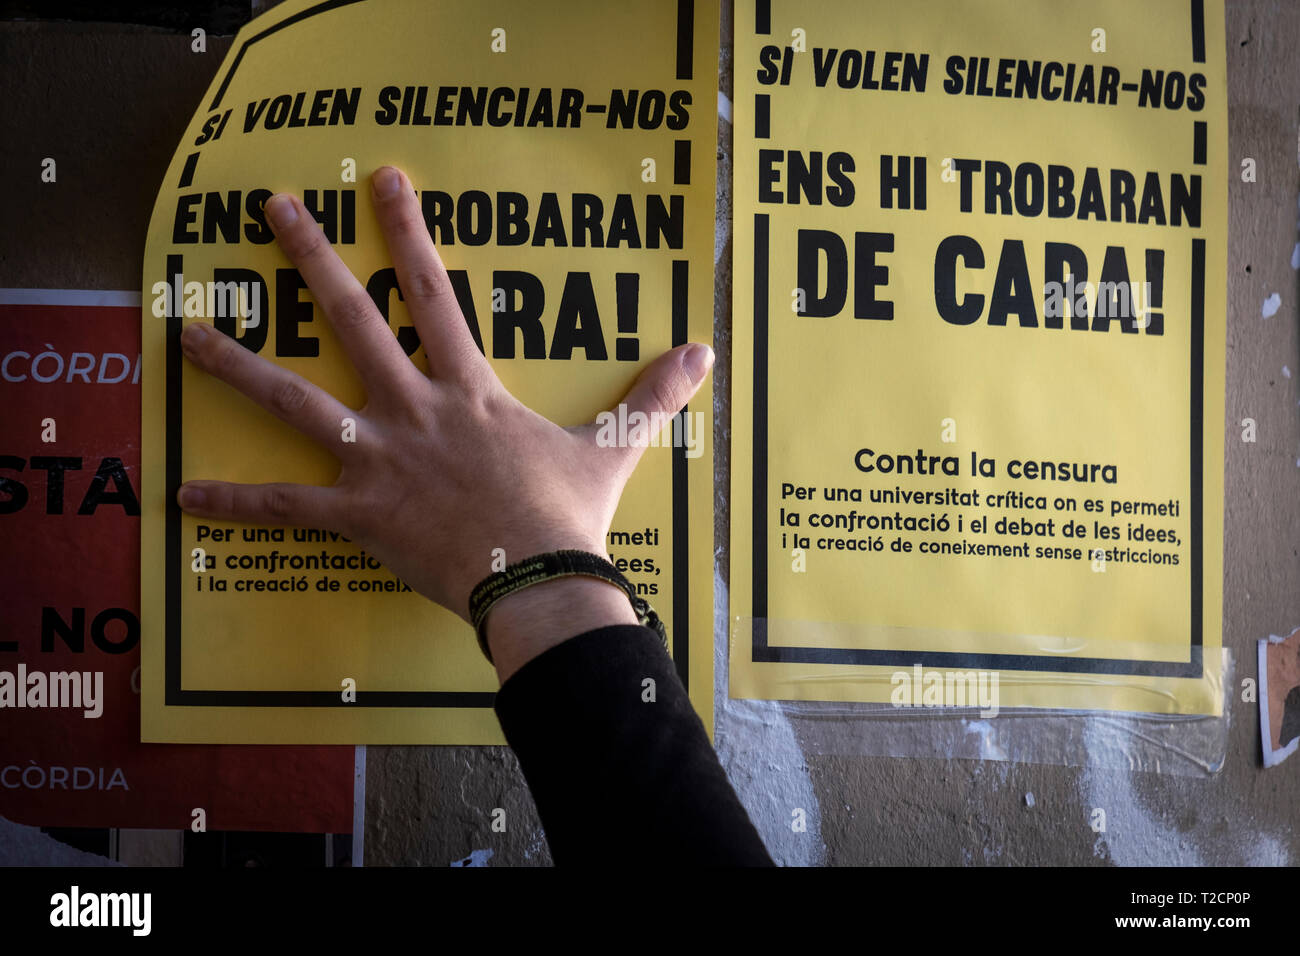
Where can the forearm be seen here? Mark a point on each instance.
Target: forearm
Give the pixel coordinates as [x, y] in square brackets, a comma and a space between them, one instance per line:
[615, 756]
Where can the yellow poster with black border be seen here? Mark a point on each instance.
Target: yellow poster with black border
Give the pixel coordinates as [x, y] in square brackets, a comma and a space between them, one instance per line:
[563, 155]
[979, 352]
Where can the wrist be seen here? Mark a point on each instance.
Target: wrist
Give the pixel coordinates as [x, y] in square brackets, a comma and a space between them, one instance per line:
[530, 621]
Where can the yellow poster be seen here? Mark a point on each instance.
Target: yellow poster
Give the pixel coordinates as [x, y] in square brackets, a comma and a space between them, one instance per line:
[564, 161]
[978, 387]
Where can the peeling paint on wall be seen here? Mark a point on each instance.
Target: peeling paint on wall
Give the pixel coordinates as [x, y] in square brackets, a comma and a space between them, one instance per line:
[1139, 834]
[763, 760]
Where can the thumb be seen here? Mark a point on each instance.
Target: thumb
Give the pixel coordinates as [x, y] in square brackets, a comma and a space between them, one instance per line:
[661, 390]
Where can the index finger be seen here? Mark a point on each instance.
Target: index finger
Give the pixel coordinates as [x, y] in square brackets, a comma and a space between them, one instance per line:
[423, 280]
[366, 337]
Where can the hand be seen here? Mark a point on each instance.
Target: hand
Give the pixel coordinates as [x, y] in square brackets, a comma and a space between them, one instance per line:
[445, 467]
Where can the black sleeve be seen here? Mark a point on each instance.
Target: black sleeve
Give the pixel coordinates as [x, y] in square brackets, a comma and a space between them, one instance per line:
[613, 774]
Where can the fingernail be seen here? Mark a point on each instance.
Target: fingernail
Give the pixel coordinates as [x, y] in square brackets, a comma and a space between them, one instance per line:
[281, 210]
[387, 181]
[190, 497]
[193, 335]
[698, 361]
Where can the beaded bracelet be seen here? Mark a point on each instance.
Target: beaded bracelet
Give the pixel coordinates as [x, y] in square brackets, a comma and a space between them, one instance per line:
[546, 567]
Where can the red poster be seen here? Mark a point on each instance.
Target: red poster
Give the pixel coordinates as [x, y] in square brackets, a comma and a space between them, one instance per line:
[70, 751]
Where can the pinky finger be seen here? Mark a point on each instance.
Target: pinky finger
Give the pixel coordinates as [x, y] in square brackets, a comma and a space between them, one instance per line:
[275, 503]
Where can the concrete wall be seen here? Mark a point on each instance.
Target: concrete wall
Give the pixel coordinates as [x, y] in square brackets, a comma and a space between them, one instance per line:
[91, 95]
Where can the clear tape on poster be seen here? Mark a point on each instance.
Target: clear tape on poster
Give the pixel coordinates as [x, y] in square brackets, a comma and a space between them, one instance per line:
[1180, 744]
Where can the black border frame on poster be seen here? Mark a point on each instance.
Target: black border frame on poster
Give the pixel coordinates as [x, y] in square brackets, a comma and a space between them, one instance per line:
[177, 695]
[763, 652]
